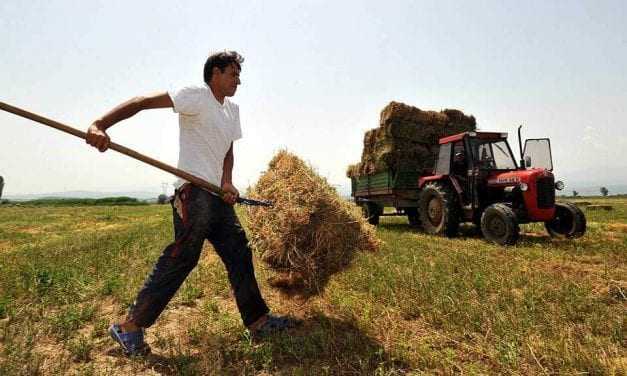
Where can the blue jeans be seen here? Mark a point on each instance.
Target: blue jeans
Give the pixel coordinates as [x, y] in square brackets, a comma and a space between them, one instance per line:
[198, 215]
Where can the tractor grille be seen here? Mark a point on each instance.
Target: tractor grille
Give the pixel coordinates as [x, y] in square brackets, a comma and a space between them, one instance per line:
[546, 192]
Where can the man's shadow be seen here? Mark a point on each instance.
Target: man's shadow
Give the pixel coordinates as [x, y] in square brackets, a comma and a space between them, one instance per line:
[320, 345]
[327, 345]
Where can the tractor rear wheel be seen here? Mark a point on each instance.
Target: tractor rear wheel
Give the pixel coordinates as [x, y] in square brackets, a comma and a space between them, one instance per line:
[499, 224]
[439, 209]
[569, 222]
[371, 212]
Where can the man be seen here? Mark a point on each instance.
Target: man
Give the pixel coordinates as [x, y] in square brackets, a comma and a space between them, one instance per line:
[209, 124]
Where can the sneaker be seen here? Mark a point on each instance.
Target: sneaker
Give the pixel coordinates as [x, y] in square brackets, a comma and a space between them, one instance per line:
[273, 325]
[132, 343]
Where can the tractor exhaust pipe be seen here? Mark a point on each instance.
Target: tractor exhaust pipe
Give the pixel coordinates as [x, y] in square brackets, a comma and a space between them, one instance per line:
[522, 160]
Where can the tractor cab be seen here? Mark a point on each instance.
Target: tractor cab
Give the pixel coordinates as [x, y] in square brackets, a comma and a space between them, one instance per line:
[485, 151]
[490, 151]
[479, 165]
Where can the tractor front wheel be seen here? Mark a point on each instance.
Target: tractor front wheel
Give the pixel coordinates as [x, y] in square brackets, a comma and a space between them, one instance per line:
[499, 224]
[439, 210]
[569, 222]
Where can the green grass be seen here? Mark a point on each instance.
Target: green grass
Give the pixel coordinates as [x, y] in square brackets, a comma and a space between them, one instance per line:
[421, 304]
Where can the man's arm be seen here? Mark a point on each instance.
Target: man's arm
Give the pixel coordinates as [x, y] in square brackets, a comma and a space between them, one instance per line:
[97, 135]
[231, 193]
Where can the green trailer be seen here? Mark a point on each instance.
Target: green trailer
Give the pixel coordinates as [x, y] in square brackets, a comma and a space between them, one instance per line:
[396, 189]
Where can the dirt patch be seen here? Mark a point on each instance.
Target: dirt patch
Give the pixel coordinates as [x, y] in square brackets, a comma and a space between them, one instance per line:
[30, 230]
[569, 269]
[95, 226]
[52, 352]
[618, 227]
[613, 236]
[107, 358]
[592, 271]
[110, 227]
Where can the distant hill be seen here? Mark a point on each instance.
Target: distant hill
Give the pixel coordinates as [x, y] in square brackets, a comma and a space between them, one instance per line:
[344, 190]
[140, 195]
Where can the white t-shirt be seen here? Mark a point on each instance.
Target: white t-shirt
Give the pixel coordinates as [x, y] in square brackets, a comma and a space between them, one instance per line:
[207, 129]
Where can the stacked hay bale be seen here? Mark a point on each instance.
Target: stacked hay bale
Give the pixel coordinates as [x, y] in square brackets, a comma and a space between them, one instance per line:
[310, 232]
[407, 139]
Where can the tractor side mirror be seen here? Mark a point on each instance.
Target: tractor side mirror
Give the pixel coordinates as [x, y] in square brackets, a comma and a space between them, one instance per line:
[538, 150]
[527, 161]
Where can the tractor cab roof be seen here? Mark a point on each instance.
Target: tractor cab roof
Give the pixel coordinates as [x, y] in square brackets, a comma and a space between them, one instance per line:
[479, 135]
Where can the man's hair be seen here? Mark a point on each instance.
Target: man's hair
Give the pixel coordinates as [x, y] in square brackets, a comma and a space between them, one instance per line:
[221, 60]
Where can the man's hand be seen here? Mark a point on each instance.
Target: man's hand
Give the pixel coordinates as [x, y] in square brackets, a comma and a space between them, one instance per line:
[230, 193]
[97, 138]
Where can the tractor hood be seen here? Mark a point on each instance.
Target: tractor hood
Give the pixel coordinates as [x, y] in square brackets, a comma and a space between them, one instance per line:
[537, 187]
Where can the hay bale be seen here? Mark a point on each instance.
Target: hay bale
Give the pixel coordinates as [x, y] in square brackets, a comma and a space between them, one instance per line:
[407, 122]
[386, 153]
[353, 170]
[407, 138]
[310, 233]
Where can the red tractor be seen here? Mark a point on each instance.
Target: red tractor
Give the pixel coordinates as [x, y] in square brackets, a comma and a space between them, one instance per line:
[477, 179]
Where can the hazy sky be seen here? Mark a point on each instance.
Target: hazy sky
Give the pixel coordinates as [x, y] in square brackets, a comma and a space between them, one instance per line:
[316, 75]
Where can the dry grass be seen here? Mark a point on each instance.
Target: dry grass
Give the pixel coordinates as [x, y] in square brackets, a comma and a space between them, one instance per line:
[420, 305]
[311, 232]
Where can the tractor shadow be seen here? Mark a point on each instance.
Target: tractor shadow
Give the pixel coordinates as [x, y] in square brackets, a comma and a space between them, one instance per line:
[471, 231]
[397, 226]
[537, 239]
[466, 230]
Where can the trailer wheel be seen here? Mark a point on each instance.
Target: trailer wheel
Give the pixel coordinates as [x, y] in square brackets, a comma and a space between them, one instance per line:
[412, 217]
[569, 222]
[499, 224]
[371, 212]
[439, 210]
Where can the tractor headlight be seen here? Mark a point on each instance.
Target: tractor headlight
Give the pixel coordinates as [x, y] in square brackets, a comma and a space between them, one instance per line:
[523, 187]
[559, 185]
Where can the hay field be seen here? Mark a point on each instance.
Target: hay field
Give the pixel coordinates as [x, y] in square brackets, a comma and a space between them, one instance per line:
[420, 305]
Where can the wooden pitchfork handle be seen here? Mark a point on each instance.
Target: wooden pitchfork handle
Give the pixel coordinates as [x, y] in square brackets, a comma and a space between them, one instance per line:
[133, 154]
